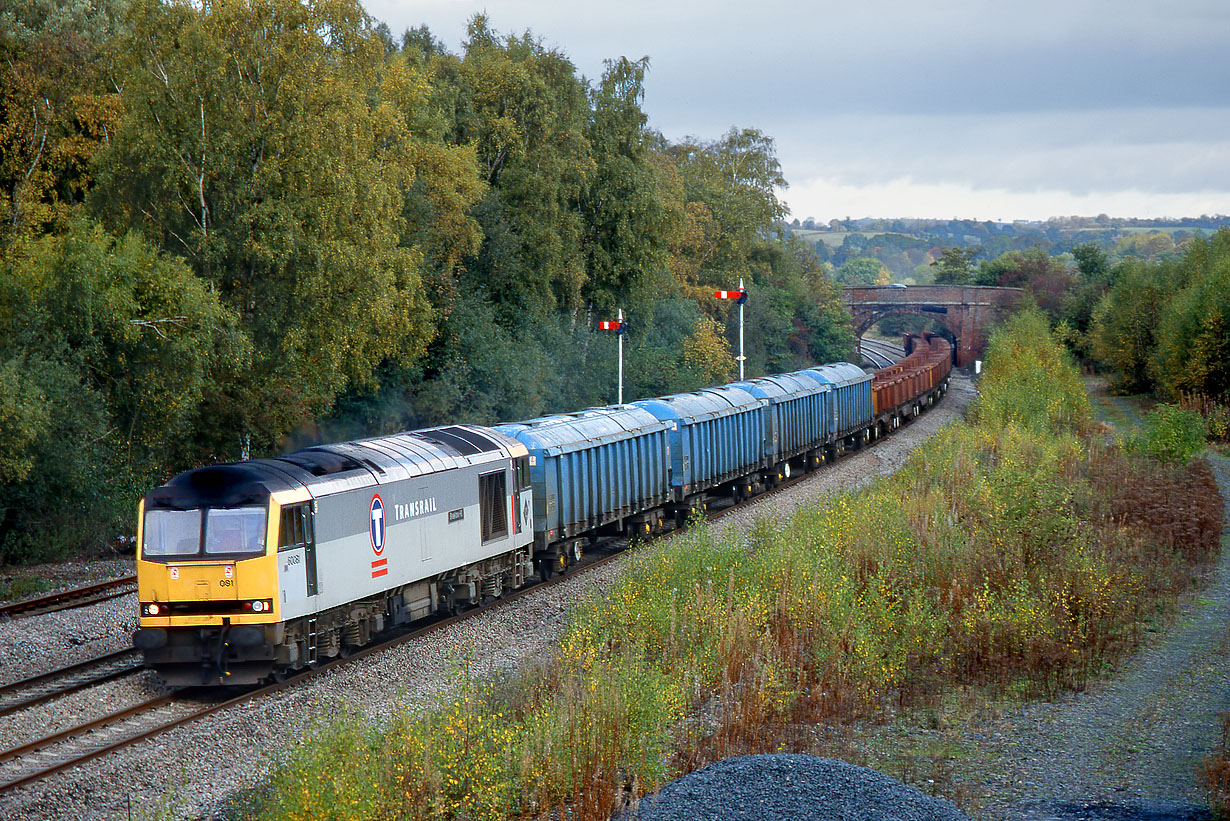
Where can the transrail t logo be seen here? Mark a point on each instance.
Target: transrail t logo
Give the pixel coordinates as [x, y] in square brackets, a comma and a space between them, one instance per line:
[375, 524]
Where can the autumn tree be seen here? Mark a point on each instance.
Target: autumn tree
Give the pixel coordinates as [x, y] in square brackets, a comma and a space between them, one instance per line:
[57, 108]
[267, 144]
[107, 350]
[625, 240]
[730, 190]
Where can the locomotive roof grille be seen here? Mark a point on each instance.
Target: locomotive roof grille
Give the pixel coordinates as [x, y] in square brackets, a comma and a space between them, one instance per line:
[321, 462]
[465, 442]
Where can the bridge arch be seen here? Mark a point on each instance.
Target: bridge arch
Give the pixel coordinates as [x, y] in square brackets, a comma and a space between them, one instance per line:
[966, 311]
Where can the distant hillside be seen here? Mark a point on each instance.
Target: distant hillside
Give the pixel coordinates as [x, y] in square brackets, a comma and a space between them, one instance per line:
[907, 247]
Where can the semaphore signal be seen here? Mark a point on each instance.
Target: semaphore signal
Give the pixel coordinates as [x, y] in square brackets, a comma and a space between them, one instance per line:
[620, 327]
[740, 297]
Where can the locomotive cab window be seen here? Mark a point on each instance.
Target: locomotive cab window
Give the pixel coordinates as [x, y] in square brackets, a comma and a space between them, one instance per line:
[171, 533]
[295, 529]
[492, 505]
[235, 531]
[523, 472]
[214, 531]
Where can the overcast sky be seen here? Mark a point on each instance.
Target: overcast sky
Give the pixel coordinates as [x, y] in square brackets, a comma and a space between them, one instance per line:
[979, 109]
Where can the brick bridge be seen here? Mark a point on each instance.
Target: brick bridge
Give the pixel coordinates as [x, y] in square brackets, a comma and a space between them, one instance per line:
[966, 311]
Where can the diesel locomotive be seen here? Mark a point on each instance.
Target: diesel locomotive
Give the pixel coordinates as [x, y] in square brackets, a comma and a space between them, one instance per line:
[251, 570]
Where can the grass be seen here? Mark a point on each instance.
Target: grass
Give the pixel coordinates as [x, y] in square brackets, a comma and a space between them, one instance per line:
[1014, 557]
[22, 586]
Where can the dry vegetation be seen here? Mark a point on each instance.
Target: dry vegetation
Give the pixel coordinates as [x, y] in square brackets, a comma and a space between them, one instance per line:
[1015, 555]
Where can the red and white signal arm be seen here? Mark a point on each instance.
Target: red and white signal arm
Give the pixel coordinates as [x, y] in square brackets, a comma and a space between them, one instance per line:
[619, 325]
[740, 295]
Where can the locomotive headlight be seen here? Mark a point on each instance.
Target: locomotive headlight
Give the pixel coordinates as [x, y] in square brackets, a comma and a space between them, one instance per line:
[258, 606]
[152, 609]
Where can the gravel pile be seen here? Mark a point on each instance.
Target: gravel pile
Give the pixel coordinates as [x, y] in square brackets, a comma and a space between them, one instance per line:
[790, 788]
[192, 771]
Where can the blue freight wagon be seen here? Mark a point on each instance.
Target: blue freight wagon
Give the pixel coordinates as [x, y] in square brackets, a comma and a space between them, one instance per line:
[716, 436]
[798, 420]
[850, 400]
[600, 470]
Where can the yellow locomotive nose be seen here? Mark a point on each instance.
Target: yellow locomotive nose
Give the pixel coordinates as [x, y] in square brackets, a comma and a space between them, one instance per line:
[201, 581]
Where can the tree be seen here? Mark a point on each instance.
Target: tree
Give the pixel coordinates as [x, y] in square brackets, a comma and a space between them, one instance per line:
[107, 351]
[863, 271]
[706, 353]
[1193, 351]
[265, 142]
[955, 266]
[623, 210]
[1047, 278]
[56, 109]
[730, 186]
[525, 111]
[1124, 323]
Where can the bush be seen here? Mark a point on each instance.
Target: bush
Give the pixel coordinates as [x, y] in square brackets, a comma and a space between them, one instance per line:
[1172, 434]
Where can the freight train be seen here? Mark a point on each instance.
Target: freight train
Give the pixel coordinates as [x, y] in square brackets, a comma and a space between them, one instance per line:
[249, 571]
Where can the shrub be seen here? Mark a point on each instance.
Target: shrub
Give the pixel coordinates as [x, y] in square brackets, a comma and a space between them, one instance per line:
[1172, 434]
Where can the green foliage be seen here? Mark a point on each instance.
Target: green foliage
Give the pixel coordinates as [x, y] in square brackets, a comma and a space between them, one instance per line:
[1163, 326]
[1193, 349]
[57, 107]
[303, 228]
[1172, 434]
[307, 781]
[23, 586]
[863, 271]
[625, 216]
[1124, 323]
[107, 351]
[1030, 381]
[267, 143]
[955, 266]
[526, 112]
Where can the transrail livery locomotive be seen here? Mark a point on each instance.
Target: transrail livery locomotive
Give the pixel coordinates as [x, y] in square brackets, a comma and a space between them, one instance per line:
[250, 570]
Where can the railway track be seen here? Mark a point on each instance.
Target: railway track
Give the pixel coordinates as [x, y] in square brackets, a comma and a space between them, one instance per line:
[46, 756]
[65, 599]
[880, 354]
[35, 690]
[51, 754]
[54, 753]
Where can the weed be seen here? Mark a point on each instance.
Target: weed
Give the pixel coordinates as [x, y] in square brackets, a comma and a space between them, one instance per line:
[1013, 556]
[22, 586]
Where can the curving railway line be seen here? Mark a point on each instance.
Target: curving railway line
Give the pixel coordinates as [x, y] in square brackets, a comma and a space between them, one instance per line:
[65, 599]
[43, 687]
[53, 753]
[879, 353]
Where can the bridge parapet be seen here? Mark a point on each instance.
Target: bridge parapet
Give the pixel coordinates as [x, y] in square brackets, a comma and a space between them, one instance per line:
[966, 311]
